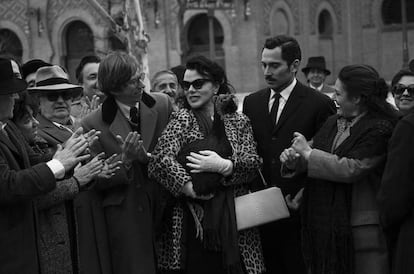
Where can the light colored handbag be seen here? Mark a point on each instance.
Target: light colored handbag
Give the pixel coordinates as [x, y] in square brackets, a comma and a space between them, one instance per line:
[260, 207]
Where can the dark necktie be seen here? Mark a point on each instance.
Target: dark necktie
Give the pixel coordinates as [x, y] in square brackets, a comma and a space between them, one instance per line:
[275, 107]
[134, 119]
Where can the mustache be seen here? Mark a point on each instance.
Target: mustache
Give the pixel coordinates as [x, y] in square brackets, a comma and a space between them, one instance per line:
[270, 78]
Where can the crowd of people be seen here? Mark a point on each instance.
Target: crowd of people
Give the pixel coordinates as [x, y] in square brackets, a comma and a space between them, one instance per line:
[103, 177]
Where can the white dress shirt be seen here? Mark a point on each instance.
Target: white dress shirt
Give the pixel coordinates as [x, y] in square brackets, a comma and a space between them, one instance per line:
[125, 108]
[284, 96]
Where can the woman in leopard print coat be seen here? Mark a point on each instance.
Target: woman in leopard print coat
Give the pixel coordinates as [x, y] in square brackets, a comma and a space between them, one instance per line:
[205, 88]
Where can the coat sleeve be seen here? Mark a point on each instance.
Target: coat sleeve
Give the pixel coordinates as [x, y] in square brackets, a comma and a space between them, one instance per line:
[25, 184]
[65, 190]
[327, 166]
[245, 159]
[368, 153]
[163, 166]
[396, 194]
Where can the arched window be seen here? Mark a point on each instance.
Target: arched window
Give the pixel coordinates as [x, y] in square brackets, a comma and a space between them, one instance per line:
[198, 38]
[10, 44]
[325, 24]
[79, 43]
[279, 22]
[391, 11]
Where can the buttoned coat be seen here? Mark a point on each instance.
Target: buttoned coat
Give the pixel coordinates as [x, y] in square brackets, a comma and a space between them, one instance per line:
[67, 209]
[128, 195]
[19, 184]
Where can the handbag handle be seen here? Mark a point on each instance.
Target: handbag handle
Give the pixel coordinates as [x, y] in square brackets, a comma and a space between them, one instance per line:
[262, 177]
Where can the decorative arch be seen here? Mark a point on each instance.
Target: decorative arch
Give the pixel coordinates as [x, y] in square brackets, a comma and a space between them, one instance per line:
[20, 35]
[197, 37]
[281, 19]
[327, 9]
[325, 24]
[59, 27]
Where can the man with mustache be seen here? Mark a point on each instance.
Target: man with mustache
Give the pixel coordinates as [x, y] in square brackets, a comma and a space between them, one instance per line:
[276, 112]
[316, 73]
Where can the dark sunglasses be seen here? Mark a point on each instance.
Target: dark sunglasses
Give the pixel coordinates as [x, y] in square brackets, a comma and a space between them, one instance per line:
[197, 84]
[400, 89]
[66, 95]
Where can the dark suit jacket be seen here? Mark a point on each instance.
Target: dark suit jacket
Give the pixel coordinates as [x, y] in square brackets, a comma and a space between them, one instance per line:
[127, 196]
[19, 183]
[396, 196]
[305, 112]
[80, 211]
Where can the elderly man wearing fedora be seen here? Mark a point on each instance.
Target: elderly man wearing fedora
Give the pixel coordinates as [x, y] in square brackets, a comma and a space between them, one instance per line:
[23, 179]
[316, 73]
[84, 216]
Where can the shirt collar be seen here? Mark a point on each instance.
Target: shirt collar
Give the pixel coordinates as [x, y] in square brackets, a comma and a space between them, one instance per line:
[125, 108]
[317, 88]
[285, 93]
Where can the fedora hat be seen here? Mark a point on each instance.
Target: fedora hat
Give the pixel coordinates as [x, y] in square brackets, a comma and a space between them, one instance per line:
[9, 83]
[316, 62]
[53, 78]
[32, 66]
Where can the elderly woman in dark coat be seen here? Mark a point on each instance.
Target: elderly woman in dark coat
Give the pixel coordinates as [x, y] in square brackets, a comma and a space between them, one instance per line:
[58, 252]
[206, 138]
[396, 195]
[341, 229]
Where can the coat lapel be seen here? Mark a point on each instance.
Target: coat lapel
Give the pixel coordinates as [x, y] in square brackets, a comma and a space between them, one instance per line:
[120, 126]
[5, 140]
[60, 134]
[148, 122]
[292, 104]
[263, 108]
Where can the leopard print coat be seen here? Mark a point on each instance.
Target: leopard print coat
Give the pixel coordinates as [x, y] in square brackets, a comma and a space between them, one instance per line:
[164, 168]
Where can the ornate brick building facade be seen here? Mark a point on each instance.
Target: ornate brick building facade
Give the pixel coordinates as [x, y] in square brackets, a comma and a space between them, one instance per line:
[344, 31]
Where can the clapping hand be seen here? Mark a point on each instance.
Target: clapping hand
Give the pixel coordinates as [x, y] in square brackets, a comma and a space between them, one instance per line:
[110, 166]
[71, 154]
[85, 173]
[301, 146]
[132, 148]
[289, 157]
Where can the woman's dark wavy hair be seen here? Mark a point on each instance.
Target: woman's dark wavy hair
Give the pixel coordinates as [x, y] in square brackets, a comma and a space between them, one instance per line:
[20, 110]
[213, 71]
[365, 82]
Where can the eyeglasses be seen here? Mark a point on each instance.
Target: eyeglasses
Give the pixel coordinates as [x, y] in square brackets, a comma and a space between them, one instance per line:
[197, 84]
[66, 95]
[399, 89]
[137, 80]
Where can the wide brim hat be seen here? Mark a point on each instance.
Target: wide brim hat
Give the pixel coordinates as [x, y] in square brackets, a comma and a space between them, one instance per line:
[9, 83]
[53, 78]
[316, 62]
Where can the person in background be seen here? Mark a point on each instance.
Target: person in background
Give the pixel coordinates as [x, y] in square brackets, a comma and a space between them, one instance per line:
[25, 177]
[29, 70]
[396, 194]
[207, 137]
[316, 73]
[341, 231]
[165, 81]
[130, 121]
[276, 112]
[83, 213]
[87, 75]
